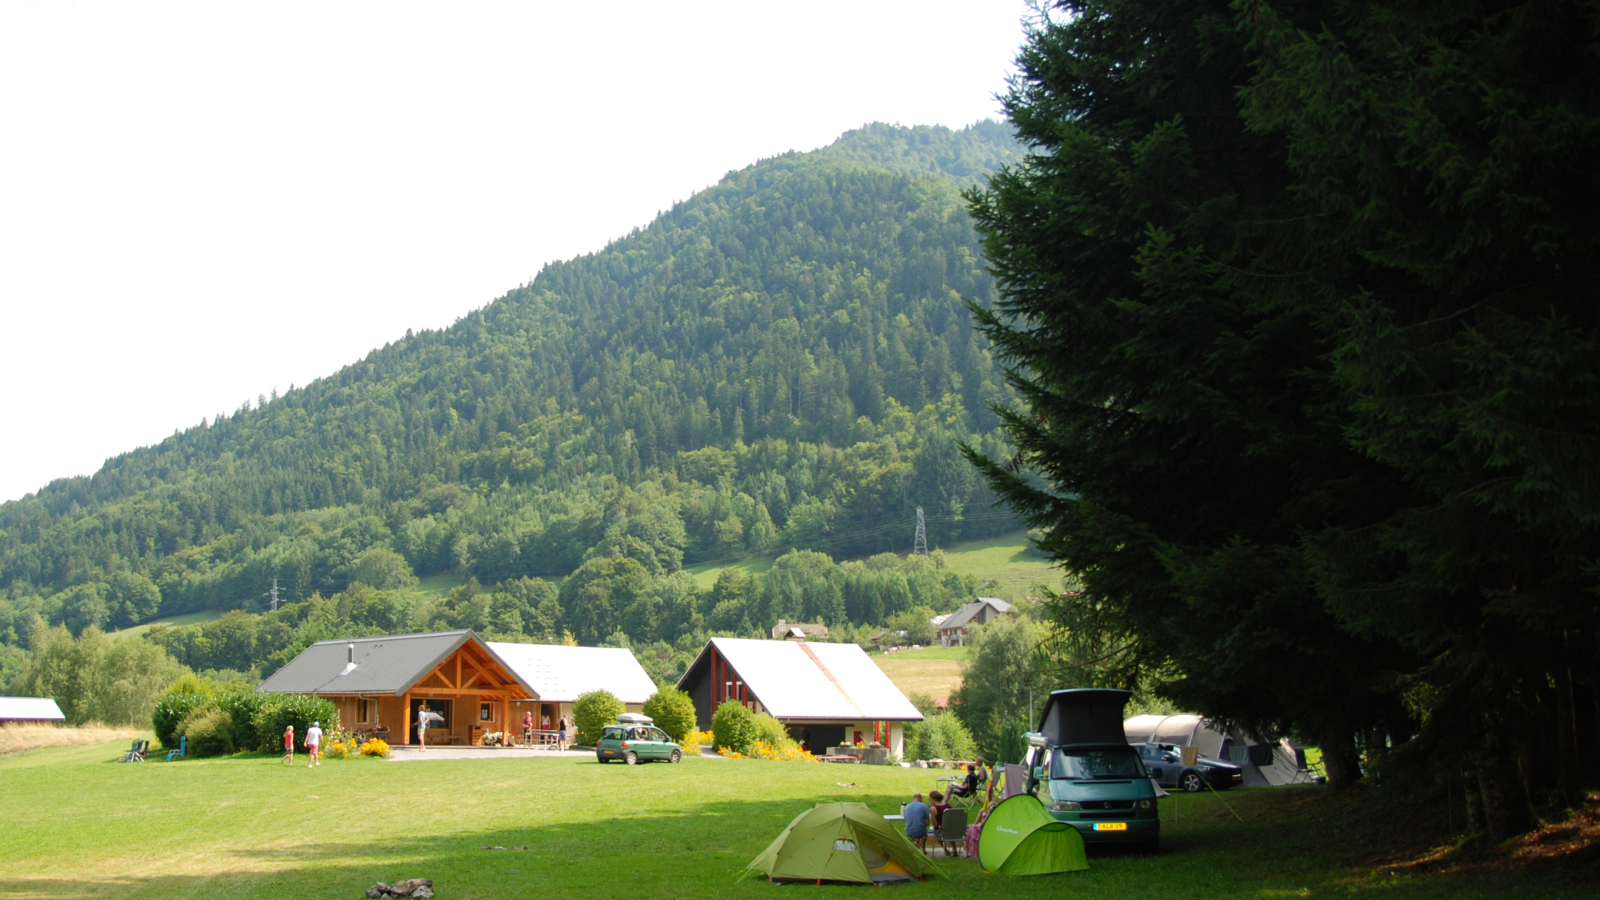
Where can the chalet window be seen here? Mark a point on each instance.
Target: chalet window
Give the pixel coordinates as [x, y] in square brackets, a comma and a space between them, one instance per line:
[485, 712]
[369, 712]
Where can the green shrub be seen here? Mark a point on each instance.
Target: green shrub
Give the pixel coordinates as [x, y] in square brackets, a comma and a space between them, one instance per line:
[209, 730]
[733, 726]
[940, 736]
[593, 711]
[171, 709]
[673, 712]
[279, 711]
[770, 730]
[243, 707]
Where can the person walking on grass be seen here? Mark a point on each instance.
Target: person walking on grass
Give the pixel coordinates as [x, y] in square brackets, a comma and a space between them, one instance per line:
[313, 742]
[288, 745]
[917, 813]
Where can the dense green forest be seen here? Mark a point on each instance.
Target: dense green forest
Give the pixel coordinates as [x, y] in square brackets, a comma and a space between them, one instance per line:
[782, 362]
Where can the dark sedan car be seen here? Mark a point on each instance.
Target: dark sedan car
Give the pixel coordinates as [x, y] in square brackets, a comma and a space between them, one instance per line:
[1165, 764]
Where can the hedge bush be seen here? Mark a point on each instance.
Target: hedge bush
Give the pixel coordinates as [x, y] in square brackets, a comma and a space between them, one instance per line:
[280, 711]
[172, 708]
[209, 731]
[673, 712]
[243, 707]
[592, 712]
[733, 726]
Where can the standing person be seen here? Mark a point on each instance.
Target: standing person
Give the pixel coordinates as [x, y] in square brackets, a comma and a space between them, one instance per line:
[313, 742]
[422, 728]
[288, 745]
[544, 725]
[561, 735]
[527, 727]
[916, 813]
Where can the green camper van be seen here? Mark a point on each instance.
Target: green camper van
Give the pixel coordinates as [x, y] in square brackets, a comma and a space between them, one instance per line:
[1084, 772]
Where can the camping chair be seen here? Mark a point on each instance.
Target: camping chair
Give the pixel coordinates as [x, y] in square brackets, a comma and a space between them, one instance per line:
[183, 747]
[952, 829]
[1304, 771]
[136, 752]
[964, 800]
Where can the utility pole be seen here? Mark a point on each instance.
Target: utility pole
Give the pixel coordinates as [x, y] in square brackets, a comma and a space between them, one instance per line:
[274, 594]
[919, 547]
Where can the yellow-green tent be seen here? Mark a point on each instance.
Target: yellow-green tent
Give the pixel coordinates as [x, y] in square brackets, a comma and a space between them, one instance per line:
[1020, 837]
[842, 842]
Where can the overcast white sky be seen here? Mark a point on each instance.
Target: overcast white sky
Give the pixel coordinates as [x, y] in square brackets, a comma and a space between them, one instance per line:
[201, 202]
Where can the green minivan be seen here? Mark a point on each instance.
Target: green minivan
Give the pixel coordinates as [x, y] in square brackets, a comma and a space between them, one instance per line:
[635, 737]
[1081, 768]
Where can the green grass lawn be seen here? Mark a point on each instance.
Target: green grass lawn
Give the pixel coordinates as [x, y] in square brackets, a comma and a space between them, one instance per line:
[194, 618]
[1004, 560]
[440, 584]
[79, 826]
[1007, 562]
[934, 671]
[705, 575]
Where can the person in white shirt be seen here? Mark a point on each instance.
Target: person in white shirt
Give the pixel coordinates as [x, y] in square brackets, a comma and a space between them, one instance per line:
[314, 738]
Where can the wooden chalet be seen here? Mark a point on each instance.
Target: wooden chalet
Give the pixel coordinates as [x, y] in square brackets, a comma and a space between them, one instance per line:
[379, 684]
[826, 694]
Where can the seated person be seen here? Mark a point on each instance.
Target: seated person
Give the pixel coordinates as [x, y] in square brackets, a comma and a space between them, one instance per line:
[938, 807]
[969, 785]
[916, 813]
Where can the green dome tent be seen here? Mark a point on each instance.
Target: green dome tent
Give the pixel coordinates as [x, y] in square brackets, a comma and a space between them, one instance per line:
[1021, 838]
[841, 842]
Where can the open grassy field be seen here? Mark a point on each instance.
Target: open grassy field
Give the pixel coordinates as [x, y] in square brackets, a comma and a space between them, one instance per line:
[440, 584]
[194, 618]
[934, 671]
[19, 737]
[705, 575]
[79, 826]
[1007, 562]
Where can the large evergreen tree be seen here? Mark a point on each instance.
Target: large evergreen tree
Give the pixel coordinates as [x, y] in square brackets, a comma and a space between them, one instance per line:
[1294, 294]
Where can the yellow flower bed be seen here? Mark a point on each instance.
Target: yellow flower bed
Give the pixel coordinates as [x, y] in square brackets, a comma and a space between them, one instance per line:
[788, 751]
[697, 739]
[375, 747]
[341, 749]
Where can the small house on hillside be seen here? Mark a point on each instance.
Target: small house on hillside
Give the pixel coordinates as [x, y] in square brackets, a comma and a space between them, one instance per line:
[953, 630]
[30, 710]
[558, 674]
[798, 631]
[379, 683]
[827, 694]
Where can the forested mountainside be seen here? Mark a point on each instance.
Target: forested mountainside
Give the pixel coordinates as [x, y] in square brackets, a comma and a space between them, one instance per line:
[782, 361]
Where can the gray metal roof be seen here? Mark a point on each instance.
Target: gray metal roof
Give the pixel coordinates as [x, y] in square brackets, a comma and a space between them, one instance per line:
[30, 709]
[390, 664]
[964, 616]
[809, 680]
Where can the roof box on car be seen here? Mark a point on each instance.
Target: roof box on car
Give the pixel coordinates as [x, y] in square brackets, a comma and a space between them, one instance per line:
[635, 719]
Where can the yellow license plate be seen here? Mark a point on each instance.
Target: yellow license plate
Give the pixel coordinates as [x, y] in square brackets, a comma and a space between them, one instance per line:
[1111, 826]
